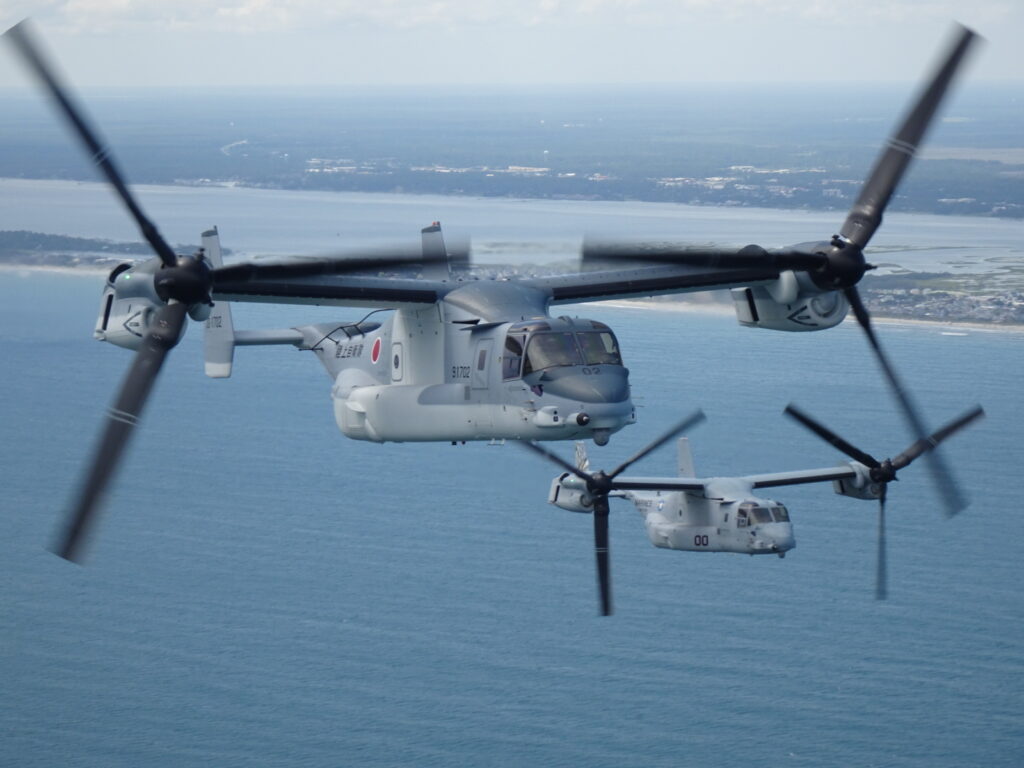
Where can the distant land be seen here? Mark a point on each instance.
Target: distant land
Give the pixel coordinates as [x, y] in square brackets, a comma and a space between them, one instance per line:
[936, 297]
[788, 147]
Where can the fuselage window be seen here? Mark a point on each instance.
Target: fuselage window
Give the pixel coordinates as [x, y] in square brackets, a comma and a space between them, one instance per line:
[599, 348]
[513, 357]
[547, 350]
[741, 519]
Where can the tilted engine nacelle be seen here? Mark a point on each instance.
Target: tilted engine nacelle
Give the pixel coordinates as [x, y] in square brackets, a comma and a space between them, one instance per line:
[791, 303]
[128, 304]
[859, 487]
[570, 493]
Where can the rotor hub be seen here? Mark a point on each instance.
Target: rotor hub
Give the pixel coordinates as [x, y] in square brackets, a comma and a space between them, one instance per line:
[188, 281]
[845, 267]
[884, 472]
[600, 484]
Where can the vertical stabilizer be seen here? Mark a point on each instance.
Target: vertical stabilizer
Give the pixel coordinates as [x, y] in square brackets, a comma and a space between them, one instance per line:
[685, 458]
[582, 461]
[220, 330]
[433, 247]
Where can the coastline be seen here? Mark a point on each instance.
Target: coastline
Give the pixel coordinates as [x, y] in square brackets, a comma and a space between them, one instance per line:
[720, 309]
[24, 270]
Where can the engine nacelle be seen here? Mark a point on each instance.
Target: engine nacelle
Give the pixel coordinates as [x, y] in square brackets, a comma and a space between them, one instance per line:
[128, 304]
[791, 303]
[859, 487]
[570, 493]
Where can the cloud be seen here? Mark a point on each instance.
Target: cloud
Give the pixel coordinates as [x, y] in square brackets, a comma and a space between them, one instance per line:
[285, 42]
[90, 16]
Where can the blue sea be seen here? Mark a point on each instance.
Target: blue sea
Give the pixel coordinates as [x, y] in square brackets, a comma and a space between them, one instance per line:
[263, 591]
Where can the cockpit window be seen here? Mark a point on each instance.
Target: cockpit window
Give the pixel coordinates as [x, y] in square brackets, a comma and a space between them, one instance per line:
[756, 514]
[547, 350]
[781, 514]
[599, 348]
[532, 345]
[512, 360]
[761, 515]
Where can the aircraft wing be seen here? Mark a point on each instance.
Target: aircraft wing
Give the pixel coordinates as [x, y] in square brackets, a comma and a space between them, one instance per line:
[285, 283]
[347, 291]
[659, 484]
[637, 282]
[797, 477]
[801, 476]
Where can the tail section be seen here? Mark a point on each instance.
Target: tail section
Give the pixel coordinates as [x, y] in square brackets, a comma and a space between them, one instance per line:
[685, 458]
[447, 261]
[582, 460]
[434, 247]
[220, 329]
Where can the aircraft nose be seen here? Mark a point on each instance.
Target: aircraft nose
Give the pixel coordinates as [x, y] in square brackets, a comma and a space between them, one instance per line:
[783, 539]
[597, 384]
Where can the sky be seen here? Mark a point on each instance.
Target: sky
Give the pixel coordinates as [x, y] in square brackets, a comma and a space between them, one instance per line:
[299, 43]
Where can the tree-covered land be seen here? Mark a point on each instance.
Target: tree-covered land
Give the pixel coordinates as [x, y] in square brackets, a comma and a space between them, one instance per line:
[788, 147]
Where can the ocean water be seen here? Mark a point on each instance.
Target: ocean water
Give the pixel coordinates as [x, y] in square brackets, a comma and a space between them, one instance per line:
[263, 591]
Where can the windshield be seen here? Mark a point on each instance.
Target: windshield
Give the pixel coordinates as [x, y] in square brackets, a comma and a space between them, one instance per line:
[599, 348]
[755, 514]
[781, 514]
[532, 346]
[760, 515]
[546, 350]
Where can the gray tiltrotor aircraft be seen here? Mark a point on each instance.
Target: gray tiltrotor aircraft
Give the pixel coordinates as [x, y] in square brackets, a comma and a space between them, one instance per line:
[458, 358]
[722, 514]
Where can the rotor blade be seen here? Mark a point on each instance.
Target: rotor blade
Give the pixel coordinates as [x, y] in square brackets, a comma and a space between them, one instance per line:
[693, 419]
[601, 552]
[121, 418]
[751, 256]
[941, 475]
[881, 564]
[101, 156]
[832, 438]
[928, 443]
[866, 214]
[555, 458]
[325, 265]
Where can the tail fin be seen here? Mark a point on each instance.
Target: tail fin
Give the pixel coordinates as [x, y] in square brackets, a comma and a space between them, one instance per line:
[220, 329]
[434, 247]
[582, 460]
[685, 458]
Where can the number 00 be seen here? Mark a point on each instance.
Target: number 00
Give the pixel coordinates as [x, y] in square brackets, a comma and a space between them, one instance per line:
[700, 541]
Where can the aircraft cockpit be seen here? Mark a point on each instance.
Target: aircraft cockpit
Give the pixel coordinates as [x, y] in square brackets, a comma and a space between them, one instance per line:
[535, 345]
[752, 513]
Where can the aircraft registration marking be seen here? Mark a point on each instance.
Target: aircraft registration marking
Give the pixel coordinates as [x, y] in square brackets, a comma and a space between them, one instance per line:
[349, 350]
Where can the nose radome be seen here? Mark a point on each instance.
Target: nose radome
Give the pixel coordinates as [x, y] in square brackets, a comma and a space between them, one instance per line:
[784, 539]
[604, 384]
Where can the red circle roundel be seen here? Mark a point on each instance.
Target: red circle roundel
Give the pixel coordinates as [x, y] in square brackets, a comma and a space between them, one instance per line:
[375, 351]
